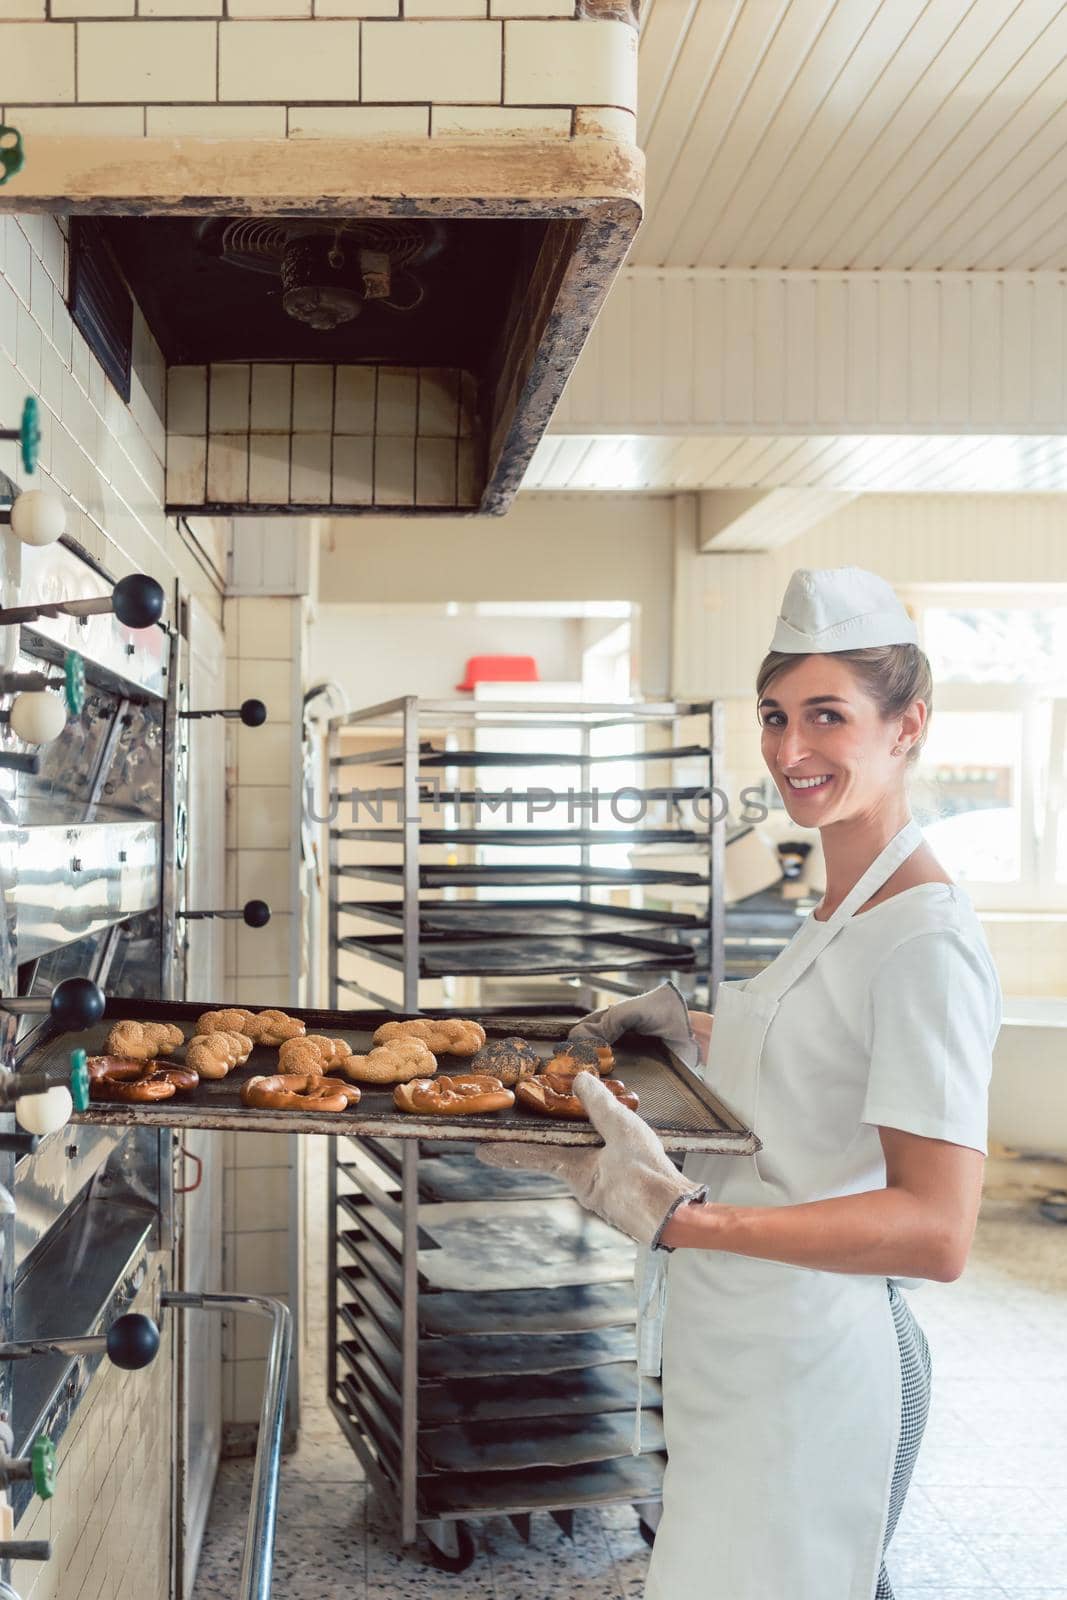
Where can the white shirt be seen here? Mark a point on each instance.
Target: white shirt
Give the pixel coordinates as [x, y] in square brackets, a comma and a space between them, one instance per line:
[893, 1025]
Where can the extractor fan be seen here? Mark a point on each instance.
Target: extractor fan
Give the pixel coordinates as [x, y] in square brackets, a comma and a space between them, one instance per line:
[329, 269]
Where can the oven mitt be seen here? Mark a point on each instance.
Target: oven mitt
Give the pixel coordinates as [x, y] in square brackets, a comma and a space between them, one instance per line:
[632, 1182]
[661, 1012]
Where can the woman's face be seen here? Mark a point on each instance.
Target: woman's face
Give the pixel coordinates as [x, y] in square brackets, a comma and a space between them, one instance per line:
[827, 746]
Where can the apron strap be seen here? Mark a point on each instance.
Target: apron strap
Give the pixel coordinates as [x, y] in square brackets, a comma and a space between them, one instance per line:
[797, 957]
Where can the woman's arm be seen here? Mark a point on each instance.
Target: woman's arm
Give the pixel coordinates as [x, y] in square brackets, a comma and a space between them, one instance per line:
[919, 1226]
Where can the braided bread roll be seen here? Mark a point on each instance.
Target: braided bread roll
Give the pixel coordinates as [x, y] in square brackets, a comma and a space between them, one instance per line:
[397, 1062]
[314, 1052]
[445, 1036]
[143, 1041]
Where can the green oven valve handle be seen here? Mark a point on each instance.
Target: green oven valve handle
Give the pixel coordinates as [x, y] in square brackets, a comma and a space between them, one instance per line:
[28, 432]
[43, 1466]
[79, 1080]
[12, 155]
[74, 682]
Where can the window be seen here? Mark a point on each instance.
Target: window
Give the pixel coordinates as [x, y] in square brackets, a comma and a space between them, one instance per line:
[991, 785]
[100, 303]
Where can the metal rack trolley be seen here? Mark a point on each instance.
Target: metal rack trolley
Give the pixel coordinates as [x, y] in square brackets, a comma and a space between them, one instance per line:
[482, 1343]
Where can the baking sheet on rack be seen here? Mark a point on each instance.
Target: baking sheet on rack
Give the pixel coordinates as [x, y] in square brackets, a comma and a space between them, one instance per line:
[673, 1100]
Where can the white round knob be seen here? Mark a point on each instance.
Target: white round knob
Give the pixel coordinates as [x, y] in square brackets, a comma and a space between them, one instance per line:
[37, 716]
[44, 1113]
[38, 517]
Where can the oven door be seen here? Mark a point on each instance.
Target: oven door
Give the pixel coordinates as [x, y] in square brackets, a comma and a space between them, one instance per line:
[199, 1209]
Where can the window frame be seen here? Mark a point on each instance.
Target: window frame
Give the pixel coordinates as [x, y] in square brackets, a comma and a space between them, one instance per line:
[1036, 888]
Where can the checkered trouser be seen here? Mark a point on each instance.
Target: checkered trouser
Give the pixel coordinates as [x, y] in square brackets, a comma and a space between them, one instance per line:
[915, 1404]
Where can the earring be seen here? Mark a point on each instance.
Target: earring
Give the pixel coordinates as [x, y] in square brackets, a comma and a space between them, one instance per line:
[897, 750]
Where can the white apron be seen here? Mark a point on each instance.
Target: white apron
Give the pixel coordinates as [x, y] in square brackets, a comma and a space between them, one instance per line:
[781, 1384]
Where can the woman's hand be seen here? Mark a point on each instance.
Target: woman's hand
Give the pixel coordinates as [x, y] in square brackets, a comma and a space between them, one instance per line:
[632, 1182]
[660, 1013]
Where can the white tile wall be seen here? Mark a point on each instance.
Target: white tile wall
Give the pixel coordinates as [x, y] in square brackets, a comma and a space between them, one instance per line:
[149, 61]
[373, 68]
[39, 59]
[358, 122]
[449, 61]
[589, 64]
[104, 459]
[263, 637]
[317, 436]
[289, 60]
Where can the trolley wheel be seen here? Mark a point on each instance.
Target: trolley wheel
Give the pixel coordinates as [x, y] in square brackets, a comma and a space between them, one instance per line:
[459, 1559]
[648, 1532]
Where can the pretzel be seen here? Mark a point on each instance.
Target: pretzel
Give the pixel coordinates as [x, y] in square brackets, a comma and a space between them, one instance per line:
[298, 1091]
[445, 1036]
[582, 1055]
[552, 1095]
[112, 1078]
[142, 1041]
[509, 1060]
[262, 1027]
[453, 1097]
[398, 1062]
[214, 1054]
[313, 1053]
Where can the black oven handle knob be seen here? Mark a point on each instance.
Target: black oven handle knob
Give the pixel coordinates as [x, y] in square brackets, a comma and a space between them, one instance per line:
[77, 1003]
[253, 713]
[138, 600]
[132, 1341]
[74, 1004]
[254, 913]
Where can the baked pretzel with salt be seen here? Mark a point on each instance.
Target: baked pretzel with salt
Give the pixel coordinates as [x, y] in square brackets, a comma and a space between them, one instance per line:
[453, 1097]
[298, 1091]
[137, 1082]
[552, 1094]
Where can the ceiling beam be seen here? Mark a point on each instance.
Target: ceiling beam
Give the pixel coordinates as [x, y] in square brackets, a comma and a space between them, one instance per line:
[761, 519]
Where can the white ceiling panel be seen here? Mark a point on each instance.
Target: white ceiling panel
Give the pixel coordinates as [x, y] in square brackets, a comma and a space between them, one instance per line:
[966, 463]
[848, 134]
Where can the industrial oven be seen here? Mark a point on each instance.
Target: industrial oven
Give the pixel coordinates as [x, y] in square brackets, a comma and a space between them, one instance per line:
[94, 874]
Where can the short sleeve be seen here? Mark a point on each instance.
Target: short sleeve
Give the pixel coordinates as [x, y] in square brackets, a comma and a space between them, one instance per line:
[934, 1016]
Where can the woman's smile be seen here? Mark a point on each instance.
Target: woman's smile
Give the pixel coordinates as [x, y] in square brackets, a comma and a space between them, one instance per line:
[817, 782]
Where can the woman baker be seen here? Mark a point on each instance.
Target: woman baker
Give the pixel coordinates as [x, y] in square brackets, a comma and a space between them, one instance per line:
[796, 1380]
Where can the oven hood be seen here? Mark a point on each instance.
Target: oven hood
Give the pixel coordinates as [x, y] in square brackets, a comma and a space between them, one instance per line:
[398, 345]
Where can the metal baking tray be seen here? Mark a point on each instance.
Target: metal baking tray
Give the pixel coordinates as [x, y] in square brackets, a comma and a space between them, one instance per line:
[509, 1245]
[523, 837]
[674, 1101]
[529, 874]
[429, 756]
[559, 1441]
[520, 919]
[525, 957]
[548, 1394]
[631, 1479]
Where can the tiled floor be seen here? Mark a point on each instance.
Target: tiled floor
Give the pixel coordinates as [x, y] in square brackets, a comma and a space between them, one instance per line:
[986, 1517]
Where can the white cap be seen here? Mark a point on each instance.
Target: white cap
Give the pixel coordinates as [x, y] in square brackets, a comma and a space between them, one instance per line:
[840, 608]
